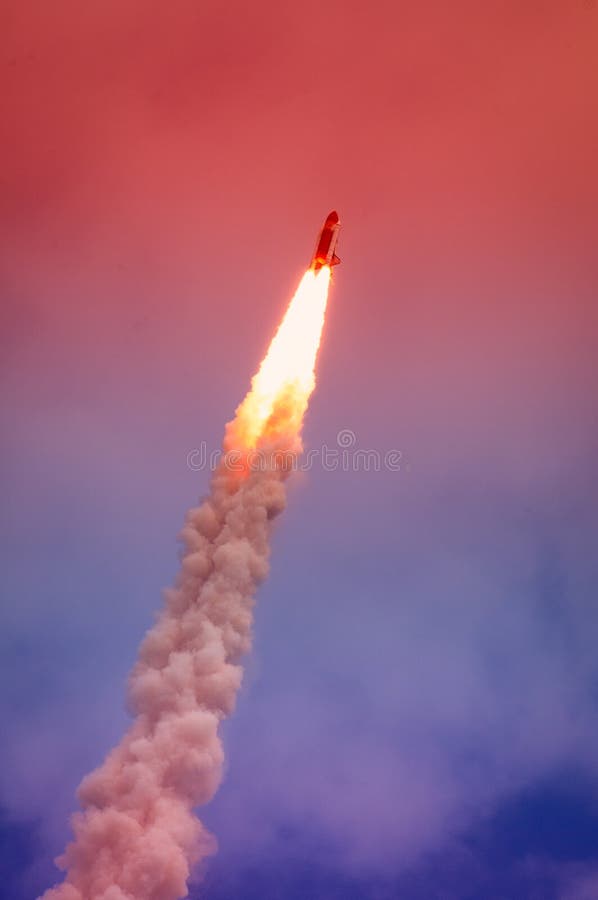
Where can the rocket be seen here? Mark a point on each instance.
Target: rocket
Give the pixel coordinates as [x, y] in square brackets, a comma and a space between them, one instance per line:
[324, 254]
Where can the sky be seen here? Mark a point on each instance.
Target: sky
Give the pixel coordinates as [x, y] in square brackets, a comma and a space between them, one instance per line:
[419, 716]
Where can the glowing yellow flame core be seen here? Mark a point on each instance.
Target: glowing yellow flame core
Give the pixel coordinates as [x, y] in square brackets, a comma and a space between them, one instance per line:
[289, 364]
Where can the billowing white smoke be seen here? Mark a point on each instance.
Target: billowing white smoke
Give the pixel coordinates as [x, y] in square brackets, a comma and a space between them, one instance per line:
[137, 837]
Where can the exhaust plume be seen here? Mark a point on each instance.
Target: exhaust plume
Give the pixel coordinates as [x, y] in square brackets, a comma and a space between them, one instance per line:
[136, 837]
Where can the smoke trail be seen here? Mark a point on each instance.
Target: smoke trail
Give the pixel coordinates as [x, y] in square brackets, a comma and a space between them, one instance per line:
[137, 837]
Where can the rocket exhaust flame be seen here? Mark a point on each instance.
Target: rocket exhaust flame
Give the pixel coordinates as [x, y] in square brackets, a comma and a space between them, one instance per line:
[137, 837]
[289, 363]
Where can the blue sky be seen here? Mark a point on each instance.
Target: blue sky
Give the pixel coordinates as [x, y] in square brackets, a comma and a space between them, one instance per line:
[418, 717]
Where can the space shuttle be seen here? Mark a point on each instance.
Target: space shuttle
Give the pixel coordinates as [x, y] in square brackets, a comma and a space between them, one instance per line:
[325, 252]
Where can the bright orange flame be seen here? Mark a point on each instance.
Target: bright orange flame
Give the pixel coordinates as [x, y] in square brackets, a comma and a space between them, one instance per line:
[288, 369]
